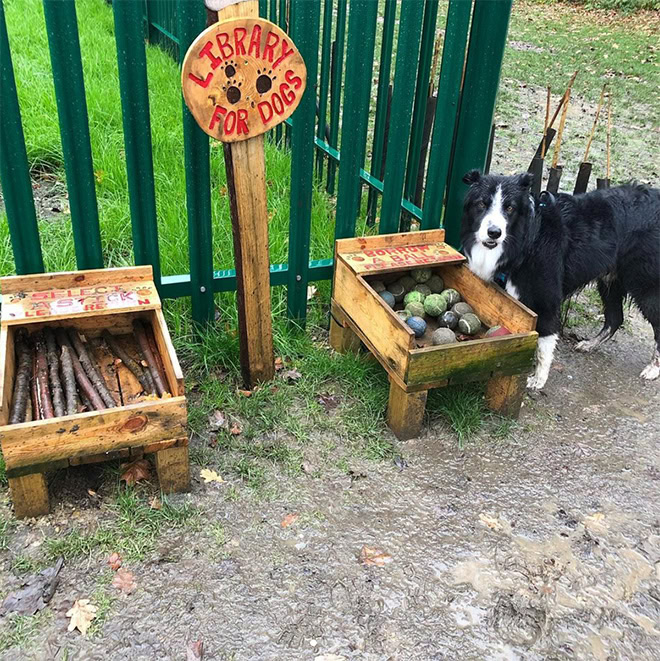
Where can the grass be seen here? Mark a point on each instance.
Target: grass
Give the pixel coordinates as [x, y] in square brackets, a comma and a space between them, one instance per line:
[20, 630]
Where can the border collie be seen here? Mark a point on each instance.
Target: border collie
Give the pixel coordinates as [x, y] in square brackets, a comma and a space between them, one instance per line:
[550, 247]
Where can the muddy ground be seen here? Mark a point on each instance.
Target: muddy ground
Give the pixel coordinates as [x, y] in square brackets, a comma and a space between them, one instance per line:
[545, 545]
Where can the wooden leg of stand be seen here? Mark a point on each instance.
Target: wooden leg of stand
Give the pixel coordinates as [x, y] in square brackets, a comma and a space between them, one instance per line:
[405, 411]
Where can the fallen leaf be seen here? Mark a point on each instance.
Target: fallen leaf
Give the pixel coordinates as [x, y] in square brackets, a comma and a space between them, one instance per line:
[124, 581]
[307, 467]
[279, 364]
[273, 390]
[82, 613]
[195, 650]
[35, 592]
[235, 430]
[328, 401]
[491, 521]
[114, 561]
[291, 375]
[373, 556]
[210, 476]
[289, 519]
[245, 393]
[155, 504]
[311, 292]
[135, 472]
[217, 421]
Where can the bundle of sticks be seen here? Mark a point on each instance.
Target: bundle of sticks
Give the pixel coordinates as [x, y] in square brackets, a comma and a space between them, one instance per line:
[57, 373]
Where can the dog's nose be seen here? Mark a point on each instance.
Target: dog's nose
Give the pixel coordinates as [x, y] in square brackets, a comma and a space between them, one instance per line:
[494, 232]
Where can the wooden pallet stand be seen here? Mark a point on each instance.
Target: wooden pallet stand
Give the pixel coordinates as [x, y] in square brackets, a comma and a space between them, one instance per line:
[359, 315]
[91, 301]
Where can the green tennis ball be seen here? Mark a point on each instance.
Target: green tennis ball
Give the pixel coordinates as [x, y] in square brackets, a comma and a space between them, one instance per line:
[443, 336]
[418, 326]
[378, 286]
[415, 308]
[421, 275]
[407, 282]
[397, 290]
[469, 324]
[404, 314]
[449, 319]
[452, 297]
[413, 297]
[423, 290]
[435, 284]
[387, 297]
[461, 308]
[435, 305]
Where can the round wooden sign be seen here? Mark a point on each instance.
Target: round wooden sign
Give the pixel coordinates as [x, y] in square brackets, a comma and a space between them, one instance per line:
[241, 78]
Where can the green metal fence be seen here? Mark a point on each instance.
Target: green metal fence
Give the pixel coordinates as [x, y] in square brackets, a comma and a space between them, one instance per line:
[408, 134]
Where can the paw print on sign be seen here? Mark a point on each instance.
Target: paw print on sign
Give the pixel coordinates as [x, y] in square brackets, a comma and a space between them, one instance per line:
[264, 80]
[230, 68]
[233, 91]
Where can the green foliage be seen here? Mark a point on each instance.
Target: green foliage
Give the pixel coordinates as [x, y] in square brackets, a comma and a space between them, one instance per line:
[625, 6]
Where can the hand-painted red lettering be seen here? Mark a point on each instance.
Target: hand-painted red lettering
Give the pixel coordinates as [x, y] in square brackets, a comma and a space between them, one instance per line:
[255, 41]
[285, 53]
[207, 51]
[262, 107]
[217, 115]
[202, 83]
[226, 49]
[287, 95]
[239, 36]
[272, 40]
[242, 126]
[292, 79]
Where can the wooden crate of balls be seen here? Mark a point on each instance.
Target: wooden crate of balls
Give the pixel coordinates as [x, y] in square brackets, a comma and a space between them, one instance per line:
[430, 322]
[88, 373]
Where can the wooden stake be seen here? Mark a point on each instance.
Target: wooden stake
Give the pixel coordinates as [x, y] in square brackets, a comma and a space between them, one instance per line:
[86, 387]
[143, 376]
[91, 369]
[593, 128]
[545, 124]
[69, 382]
[145, 350]
[609, 131]
[564, 99]
[562, 123]
[246, 186]
[42, 378]
[22, 381]
[54, 373]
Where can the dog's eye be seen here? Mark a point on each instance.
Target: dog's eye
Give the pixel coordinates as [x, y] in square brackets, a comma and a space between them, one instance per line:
[509, 209]
[481, 205]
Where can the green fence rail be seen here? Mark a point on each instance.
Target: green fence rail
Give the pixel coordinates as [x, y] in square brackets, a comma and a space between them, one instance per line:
[400, 99]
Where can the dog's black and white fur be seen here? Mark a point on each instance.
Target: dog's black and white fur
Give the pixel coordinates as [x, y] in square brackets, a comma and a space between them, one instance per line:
[551, 247]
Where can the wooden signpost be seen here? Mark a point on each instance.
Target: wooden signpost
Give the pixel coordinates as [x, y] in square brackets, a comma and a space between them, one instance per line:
[241, 77]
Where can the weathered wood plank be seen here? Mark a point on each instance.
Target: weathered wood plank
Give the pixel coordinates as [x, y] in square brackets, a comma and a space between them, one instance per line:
[504, 394]
[388, 241]
[8, 367]
[168, 354]
[472, 360]
[99, 458]
[93, 432]
[129, 386]
[342, 338]
[30, 495]
[173, 469]
[405, 411]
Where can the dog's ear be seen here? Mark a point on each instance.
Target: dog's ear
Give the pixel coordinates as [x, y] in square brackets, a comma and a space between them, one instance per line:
[472, 177]
[525, 179]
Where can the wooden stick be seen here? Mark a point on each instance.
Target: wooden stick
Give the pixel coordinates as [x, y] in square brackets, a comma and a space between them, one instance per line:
[151, 338]
[36, 405]
[145, 350]
[69, 379]
[22, 380]
[143, 376]
[90, 369]
[593, 128]
[562, 122]
[545, 124]
[563, 99]
[609, 131]
[28, 410]
[86, 387]
[42, 378]
[54, 373]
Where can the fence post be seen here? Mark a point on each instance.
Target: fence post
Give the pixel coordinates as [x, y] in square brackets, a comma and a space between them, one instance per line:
[357, 92]
[449, 92]
[482, 74]
[132, 63]
[402, 101]
[192, 20]
[14, 169]
[305, 35]
[64, 46]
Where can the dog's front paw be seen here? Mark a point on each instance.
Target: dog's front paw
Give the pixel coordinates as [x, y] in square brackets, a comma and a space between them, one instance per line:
[586, 345]
[651, 371]
[536, 382]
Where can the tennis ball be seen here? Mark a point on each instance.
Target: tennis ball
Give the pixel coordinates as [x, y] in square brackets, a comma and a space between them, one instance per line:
[397, 290]
[435, 284]
[469, 323]
[407, 282]
[443, 336]
[423, 290]
[387, 297]
[449, 319]
[452, 297]
[418, 325]
[421, 275]
[413, 297]
[378, 286]
[496, 331]
[461, 308]
[434, 305]
[415, 308]
[404, 314]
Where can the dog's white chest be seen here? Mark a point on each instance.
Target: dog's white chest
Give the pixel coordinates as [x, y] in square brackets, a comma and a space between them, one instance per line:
[483, 261]
[512, 290]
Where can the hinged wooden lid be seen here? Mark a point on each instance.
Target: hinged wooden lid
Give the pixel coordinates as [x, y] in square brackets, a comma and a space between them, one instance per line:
[392, 252]
[42, 297]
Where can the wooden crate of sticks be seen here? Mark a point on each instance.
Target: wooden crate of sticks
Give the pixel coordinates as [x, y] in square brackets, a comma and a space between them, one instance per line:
[414, 364]
[88, 373]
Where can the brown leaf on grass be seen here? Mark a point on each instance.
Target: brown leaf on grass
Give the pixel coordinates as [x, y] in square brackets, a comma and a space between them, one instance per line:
[81, 613]
[279, 364]
[124, 581]
[195, 650]
[135, 472]
[289, 519]
[291, 375]
[210, 476]
[155, 504]
[217, 421]
[245, 393]
[328, 401]
[235, 430]
[373, 556]
[114, 561]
